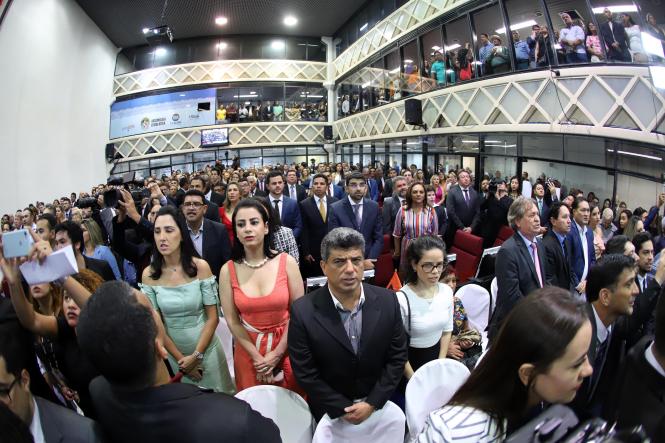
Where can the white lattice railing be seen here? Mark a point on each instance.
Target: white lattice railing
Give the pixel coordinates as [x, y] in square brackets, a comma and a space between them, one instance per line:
[612, 101]
[240, 135]
[219, 71]
[407, 18]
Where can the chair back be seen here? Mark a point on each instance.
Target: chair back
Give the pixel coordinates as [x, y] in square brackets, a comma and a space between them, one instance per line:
[225, 336]
[285, 408]
[469, 249]
[504, 234]
[476, 301]
[431, 387]
[384, 263]
[385, 425]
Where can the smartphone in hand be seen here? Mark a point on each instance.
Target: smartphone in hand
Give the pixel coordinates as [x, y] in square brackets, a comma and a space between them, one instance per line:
[16, 243]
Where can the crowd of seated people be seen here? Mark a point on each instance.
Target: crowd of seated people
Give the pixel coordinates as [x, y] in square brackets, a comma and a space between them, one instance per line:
[162, 262]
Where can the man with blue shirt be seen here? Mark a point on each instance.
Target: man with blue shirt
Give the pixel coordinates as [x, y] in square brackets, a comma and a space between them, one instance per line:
[571, 39]
[581, 239]
[484, 51]
[521, 51]
[439, 69]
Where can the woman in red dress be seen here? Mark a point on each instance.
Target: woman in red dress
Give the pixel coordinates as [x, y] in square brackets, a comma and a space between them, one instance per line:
[257, 287]
[230, 203]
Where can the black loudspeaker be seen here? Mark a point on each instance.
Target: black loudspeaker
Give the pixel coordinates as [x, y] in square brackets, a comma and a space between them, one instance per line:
[327, 132]
[110, 151]
[413, 111]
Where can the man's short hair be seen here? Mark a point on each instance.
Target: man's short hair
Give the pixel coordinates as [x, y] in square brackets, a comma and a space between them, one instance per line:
[201, 179]
[272, 174]
[577, 202]
[117, 334]
[518, 209]
[341, 238]
[183, 182]
[13, 351]
[555, 209]
[196, 193]
[639, 239]
[50, 219]
[73, 230]
[616, 245]
[605, 274]
[354, 176]
[320, 176]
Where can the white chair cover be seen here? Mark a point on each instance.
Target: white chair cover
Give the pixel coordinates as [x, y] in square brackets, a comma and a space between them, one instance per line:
[286, 408]
[476, 301]
[494, 288]
[385, 425]
[225, 336]
[484, 353]
[431, 387]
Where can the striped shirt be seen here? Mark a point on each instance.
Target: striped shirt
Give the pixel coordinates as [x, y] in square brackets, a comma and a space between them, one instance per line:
[460, 424]
[284, 241]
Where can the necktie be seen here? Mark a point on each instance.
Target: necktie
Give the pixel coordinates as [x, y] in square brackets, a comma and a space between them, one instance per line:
[466, 196]
[563, 246]
[276, 203]
[322, 209]
[536, 262]
[293, 192]
[540, 206]
[356, 211]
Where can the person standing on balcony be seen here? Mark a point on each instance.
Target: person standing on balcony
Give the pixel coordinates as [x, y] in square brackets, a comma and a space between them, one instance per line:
[571, 39]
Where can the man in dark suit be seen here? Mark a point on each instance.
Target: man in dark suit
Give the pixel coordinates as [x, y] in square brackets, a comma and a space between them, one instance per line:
[314, 211]
[47, 421]
[372, 186]
[557, 248]
[643, 244]
[69, 233]
[288, 209]
[391, 205]
[346, 340]
[134, 378]
[640, 396]
[211, 240]
[614, 36]
[377, 174]
[359, 213]
[582, 255]
[254, 191]
[616, 315]
[543, 207]
[520, 263]
[293, 190]
[463, 206]
[333, 190]
[212, 208]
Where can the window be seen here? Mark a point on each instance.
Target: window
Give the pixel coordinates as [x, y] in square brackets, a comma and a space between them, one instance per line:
[458, 50]
[392, 65]
[492, 44]
[411, 61]
[465, 143]
[500, 144]
[639, 159]
[526, 19]
[433, 73]
[587, 179]
[542, 146]
[568, 49]
[586, 150]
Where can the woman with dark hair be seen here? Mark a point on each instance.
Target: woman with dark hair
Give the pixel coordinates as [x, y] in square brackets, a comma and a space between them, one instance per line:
[634, 226]
[283, 239]
[624, 216]
[515, 187]
[426, 304]
[415, 220]
[593, 43]
[257, 287]
[183, 291]
[634, 34]
[607, 203]
[539, 356]
[232, 199]
[594, 226]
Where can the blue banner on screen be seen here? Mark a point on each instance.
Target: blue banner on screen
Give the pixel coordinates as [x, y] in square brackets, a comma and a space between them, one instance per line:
[163, 112]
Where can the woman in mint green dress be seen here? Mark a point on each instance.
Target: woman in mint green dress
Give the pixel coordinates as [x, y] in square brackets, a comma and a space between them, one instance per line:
[183, 290]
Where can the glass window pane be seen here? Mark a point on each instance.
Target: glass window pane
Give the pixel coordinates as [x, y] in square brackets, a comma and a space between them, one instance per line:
[493, 53]
[465, 143]
[594, 180]
[569, 20]
[121, 167]
[392, 64]
[526, 20]
[160, 161]
[227, 49]
[139, 164]
[411, 78]
[586, 150]
[637, 191]
[501, 144]
[459, 52]
[639, 159]
[204, 156]
[297, 49]
[186, 158]
[505, 166]
[434, 68]
[542, 146]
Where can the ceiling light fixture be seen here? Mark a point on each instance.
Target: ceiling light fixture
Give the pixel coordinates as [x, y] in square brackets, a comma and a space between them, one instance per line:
[145, 30]
[277, 44]
[221, 45]
[221, 21]
[290, 20]
[160, 51]
[635, 154]
[452, 47]
[363, 27]
[516, 26]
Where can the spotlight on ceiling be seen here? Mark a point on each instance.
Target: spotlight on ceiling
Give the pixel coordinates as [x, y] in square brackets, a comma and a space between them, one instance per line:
[160, 35]
[160, 52]
[145, 30]
[221, 21]
[277, 44]
[290, 20]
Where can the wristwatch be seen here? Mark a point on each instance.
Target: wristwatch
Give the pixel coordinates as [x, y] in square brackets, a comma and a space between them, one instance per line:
[198, 355]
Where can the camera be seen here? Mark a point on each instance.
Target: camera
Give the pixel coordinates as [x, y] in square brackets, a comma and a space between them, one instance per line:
[87, 202]
[128, 182]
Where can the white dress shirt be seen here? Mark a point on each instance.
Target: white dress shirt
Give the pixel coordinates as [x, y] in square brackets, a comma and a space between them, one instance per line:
[585, 248]
[602, 332]
[651, 359]
[280, 205]
[36, 425]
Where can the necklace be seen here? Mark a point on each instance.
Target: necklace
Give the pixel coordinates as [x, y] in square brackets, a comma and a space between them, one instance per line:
[256, 266]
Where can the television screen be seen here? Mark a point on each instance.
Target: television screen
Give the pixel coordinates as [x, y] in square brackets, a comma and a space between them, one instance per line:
[214, 137]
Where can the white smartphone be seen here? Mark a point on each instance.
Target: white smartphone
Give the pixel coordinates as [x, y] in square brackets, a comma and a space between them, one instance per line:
[16, 243]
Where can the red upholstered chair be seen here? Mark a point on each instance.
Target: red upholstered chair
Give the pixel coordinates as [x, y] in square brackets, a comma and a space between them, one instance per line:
[469, 249]
[504, 234]
[383, 267]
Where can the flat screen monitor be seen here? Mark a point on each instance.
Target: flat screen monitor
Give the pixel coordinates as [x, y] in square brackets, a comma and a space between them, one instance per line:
[214, 137]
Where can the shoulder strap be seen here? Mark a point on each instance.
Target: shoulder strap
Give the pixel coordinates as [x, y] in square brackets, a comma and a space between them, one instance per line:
[408, 312]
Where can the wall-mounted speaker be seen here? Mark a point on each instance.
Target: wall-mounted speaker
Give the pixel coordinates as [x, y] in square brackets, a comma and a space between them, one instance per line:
[328, 132]
[110, 151]
[413, 111]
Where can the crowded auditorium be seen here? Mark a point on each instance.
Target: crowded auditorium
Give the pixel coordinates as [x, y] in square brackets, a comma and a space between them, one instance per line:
[385, 221]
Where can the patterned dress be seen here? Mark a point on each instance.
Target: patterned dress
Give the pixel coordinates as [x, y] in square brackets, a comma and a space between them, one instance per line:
[410, 225]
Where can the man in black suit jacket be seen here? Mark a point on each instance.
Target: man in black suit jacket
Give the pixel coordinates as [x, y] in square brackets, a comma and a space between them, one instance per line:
[134, 378]
[314, 225]
[367, 219]
[463, 206]
[541, 202]
[211, 240]
[254, 191]
[391, 205]
[614, 36]
[288, 209]
[292, 189]
[68, 234]
[55, 423]
[346, 340]
[640, 398]
[212, 207]
[557, 248]
[616, 315]
[519, 268]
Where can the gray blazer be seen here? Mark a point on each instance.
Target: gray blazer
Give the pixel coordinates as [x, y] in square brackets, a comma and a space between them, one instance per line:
[60, 425]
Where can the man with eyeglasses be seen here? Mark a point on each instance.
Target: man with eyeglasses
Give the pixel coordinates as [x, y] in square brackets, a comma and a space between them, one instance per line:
[210, 238]
[47, 421]
[359, 213]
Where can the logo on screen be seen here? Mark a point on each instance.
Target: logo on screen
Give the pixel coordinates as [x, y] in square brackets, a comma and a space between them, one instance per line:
[145, 122]
[175, 117]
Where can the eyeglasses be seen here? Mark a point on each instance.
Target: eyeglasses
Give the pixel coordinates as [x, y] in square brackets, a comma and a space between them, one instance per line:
[5, 393]
[429, 267]
[196, 205]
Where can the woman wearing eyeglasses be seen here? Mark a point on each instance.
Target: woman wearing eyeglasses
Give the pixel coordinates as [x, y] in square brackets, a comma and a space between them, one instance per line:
[426, 304]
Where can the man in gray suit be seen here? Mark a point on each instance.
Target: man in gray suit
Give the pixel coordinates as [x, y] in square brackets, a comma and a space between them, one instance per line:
[47, 421]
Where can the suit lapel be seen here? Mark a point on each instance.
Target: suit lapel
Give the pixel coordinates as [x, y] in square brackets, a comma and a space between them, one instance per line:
[52, 433]
[371, 317]
[526, 254]
[326, 314]
[351, 214]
